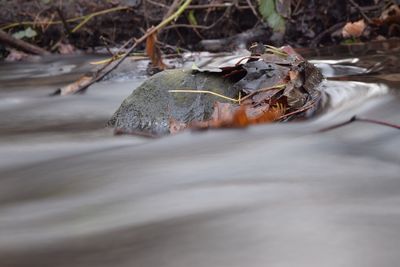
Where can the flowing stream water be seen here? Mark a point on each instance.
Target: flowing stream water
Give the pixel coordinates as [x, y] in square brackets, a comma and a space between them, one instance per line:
[73, 194]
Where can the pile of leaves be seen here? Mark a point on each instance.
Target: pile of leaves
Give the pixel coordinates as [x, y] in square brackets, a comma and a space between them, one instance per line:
[274, 85]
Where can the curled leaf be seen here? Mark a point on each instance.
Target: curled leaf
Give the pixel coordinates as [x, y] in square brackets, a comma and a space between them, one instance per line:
[354, 29]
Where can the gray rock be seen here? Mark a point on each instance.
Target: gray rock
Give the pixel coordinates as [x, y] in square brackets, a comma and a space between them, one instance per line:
[149, 109]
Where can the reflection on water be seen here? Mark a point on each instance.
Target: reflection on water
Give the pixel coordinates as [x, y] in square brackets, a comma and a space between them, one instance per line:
[72, 194]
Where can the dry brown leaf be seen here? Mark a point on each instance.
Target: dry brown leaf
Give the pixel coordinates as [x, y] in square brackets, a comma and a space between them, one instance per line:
[232, 116]
[221, 117]
[154, 52]
[354, 29]
[242, 119]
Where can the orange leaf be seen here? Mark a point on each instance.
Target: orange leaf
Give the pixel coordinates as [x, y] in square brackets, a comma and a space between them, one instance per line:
[154, 52]
[353, 29]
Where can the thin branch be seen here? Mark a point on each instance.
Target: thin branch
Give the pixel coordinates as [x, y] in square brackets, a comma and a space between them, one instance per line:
[276, 87]
[151, 31]
[92, 15]
[303, 109]
[331, 29]
[396, 126]
[252, 8]
[355, 118]
[204, 92]
[64, 22]
[360, 10]
[156, 4]
[341, 124]
[171, 10]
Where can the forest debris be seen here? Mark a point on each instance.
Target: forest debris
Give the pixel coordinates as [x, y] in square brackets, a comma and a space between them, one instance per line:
[243, 94]
[154, 52]
[203, 92]
[272, 91]
[356, 118]
[102, 72]
[391, 18]
[74, 87]
[391, 15]
[354, 29]
[20, 44]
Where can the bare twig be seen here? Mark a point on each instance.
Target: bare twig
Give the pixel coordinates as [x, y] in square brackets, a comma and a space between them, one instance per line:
[275, 87]
[352, 119]
[106, 46]
[204, 92]
[355, 118]
[98, 77]
[331, 29]
[64, 22]
[84, 18]
[360, 10]
[156, 3]
[303, 109]
[297, 7]
[171, 10]
[396, 126]
[252, 8]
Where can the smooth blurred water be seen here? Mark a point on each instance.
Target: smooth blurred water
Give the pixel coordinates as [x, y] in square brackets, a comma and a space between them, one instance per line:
[72, 194]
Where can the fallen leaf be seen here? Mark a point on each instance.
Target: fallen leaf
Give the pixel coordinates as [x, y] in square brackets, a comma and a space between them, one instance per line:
[353, 29]
[222, 117]
[154, 52]
[269, 13]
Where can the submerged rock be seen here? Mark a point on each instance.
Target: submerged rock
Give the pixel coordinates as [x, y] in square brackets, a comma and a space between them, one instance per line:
[275, 84]
[151, 107]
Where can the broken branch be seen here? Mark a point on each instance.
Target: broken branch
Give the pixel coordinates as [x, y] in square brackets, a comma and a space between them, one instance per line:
[20, 44]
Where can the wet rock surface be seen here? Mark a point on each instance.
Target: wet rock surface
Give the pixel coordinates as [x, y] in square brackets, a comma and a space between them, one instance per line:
[276, 84]
[150, 108]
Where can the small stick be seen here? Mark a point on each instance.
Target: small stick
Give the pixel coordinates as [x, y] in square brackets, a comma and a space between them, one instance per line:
[64, 22]
[279, 86]
[303, 109]
[171, 9]
[151, 31]
[92, 15]
[107, 47]
[360, 10]
[355, 118]
[205, 92]
[252, 8]
[331, 29]
[341, 124]
[379, 122]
